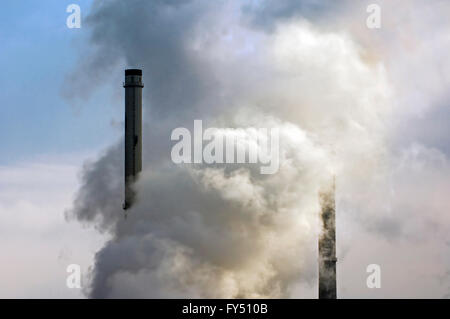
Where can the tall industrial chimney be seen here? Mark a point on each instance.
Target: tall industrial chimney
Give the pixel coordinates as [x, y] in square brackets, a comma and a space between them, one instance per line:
[327, 243]
[133, 131]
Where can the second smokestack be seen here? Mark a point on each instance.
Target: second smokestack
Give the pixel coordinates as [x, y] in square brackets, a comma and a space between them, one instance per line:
[327, 243]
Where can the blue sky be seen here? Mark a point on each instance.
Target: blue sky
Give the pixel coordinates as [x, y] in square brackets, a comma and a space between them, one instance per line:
[37, 124]
[37, 52]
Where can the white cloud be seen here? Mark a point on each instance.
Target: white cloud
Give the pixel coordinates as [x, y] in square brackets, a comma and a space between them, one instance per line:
[36, 242]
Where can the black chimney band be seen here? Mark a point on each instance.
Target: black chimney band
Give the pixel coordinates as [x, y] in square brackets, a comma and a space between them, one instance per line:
[133, 72]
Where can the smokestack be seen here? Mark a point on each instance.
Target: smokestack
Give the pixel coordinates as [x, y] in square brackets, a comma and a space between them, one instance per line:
[133, 131]
[327, 244]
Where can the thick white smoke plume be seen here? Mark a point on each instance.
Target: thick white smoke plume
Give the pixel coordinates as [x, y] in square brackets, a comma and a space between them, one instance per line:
[227, 231]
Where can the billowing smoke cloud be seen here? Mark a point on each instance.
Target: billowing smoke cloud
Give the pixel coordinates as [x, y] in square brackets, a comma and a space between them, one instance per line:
[226, 230]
